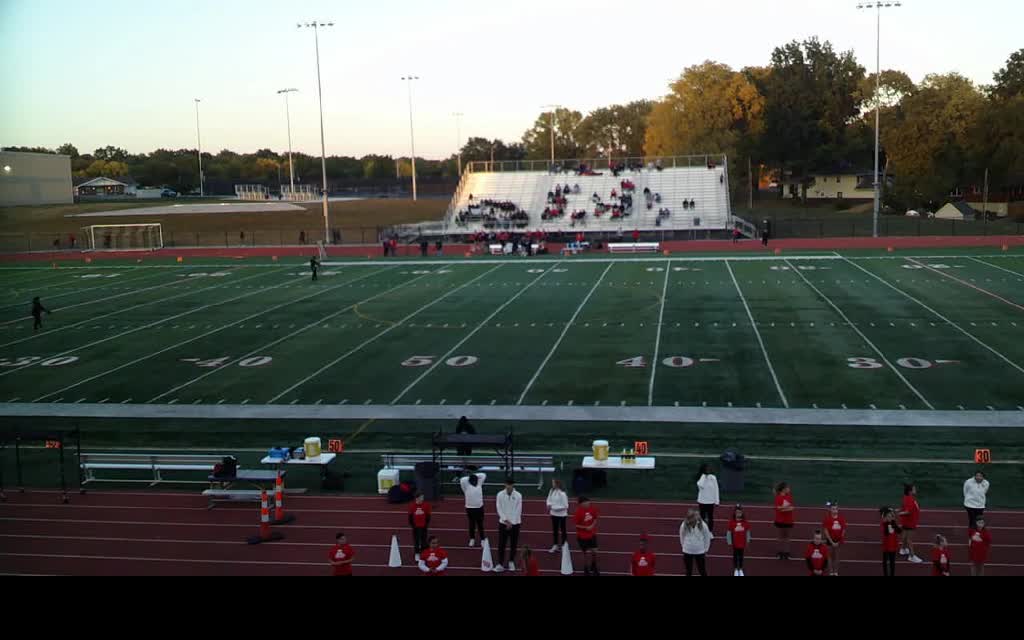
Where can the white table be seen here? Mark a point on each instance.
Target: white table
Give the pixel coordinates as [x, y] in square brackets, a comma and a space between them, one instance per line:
[321, 461]
[642, 464]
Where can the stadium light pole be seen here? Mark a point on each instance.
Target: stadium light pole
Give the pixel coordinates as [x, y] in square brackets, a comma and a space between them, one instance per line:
[412, 138]
[554, 108]
[458, 140]
[878, 6]
[288, 115]
[316, 26]
[199, 142]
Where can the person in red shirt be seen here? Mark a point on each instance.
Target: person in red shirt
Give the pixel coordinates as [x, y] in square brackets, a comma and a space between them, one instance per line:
[940, 557]
[910, 516]
[341, 556]
[434, 560]
[528, 562]
[979, 543]
[419, 520]
[817, 555]
[643, 560]
[785, 517]
[738, 536]
[890, 541]
[834, 528]
[636, 235]
[586, 535]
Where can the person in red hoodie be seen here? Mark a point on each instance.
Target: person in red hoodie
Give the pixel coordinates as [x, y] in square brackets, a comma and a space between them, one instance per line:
[643, 560]
[834, 528]
[979, 545]
[737, 534]
[940, 557]
[586, 535]
[817, 555]
[910, 516]
[434, 560]
[419, 520]
[341, 556]
[890, 541]
[785, 517]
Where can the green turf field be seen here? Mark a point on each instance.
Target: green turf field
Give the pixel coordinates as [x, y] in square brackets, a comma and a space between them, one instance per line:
[805, 332]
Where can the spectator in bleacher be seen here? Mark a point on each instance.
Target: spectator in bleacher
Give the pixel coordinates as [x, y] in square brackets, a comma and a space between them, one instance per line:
[658, 165]
[576, 189]
[834, 527]
[657, 198]
[558, 508]
[693, 203]
[636, 235]
[473, 489]
[695, 539]
[738, 537]
[975, 496]
[643, 560]
[686, 204]
[341, 556]
[586, 535]
[817, 555]
[419, 520]
[707, 495]
[510, 518]
[979, 543]
[940, 557]
[433, 561]
[785, 517]
[890, 541]
[910, 516]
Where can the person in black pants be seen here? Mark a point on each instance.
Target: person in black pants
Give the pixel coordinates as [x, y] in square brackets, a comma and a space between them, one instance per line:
[510, 518]
[419, 520]
[37, 313]
[558, 508]
[314, 266]
[473, 489]
[891, 532]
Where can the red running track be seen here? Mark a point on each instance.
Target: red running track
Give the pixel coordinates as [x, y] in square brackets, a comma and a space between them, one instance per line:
[126, 533]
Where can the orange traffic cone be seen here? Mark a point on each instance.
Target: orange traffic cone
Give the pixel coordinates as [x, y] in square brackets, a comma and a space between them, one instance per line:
[266, 535]
[279, 514]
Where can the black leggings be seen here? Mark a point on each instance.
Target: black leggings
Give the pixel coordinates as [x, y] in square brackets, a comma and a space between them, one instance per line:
[888, 564]
[973, 515]
[701, 567]
[707, 514]
[558, 525]
[419, 539]
[476, 522]
[507, 536]
[737, 558]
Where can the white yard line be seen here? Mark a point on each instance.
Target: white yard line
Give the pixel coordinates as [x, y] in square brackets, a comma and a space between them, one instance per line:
[757, 333]
[968, 284]
[473, 333]
[988, 264]
[86, 290]
[561, 337]
[657, 340]
[863, 337]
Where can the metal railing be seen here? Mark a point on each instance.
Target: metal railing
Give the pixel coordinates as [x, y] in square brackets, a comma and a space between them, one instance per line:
[595, 164]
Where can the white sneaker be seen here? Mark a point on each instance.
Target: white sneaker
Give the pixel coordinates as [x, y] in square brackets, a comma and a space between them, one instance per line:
[499, 569]
[741, 573]
[553, 549]
[915, 559]
[511, 566]
[472, 543]
[735, 572]
[904, 552]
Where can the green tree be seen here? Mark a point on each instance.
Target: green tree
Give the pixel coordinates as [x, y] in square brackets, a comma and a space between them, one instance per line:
[618, 130]
[68, 149]
[1009, 81]
[111, 153]
[537, 139]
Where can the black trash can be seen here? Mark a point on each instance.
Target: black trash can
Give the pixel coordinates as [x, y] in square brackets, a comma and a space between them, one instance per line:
[731, 476]
[581, 482]
[428, 480]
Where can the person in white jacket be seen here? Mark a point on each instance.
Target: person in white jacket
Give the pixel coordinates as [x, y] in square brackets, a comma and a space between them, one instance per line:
[707, 495]
[558, 509]
[473, 488]
[510, 518]
[975, 496]
[695, 538]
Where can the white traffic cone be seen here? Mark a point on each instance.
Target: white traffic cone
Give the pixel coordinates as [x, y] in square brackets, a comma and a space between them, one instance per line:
[567, 569]
[486, 561]
[396, 556]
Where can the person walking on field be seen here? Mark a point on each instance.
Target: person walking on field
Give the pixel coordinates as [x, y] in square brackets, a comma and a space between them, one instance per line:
[37, 313]
[314, 266]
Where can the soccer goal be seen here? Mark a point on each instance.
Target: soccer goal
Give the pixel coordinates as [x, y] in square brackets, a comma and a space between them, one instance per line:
[123, 237]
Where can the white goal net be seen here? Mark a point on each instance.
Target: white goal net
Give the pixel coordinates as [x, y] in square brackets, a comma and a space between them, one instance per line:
[123, 237]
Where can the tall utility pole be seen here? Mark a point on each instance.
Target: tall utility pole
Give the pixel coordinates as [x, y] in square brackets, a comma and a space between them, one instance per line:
[554, 108]
[288, 115]
[199, 142]
[458, 140]
[412, 137]
[878, 6]
[316, 26]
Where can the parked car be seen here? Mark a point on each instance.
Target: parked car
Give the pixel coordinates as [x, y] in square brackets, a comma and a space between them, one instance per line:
[168, 193]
